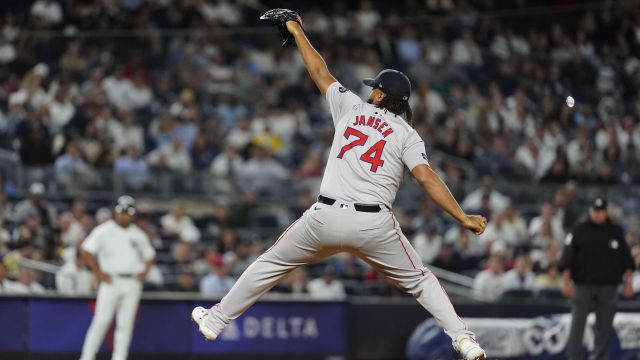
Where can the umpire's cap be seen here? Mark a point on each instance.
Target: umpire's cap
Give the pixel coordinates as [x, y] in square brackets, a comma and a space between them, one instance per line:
[599, 203]
[393, 83]
[126, 203]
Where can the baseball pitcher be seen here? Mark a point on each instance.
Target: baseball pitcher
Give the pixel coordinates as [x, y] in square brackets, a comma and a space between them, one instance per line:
[373, 143]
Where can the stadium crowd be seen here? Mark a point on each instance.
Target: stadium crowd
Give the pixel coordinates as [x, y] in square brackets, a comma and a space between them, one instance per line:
[132, 89]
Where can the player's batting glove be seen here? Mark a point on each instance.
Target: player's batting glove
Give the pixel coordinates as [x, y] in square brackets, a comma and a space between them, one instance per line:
[280, 18]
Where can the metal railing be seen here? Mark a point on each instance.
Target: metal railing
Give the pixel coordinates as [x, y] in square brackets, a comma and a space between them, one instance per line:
[39, 266]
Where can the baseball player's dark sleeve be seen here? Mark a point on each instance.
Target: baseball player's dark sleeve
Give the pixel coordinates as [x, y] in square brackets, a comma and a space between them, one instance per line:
[566, 259]
[341, 100]
[627, 259]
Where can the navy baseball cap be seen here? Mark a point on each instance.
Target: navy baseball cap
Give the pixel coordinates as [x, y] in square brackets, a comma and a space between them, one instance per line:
[393, 83]
[599, 203]
[126, 204]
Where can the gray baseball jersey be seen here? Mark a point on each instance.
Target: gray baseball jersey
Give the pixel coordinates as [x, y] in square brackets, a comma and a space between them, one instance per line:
[370, 150]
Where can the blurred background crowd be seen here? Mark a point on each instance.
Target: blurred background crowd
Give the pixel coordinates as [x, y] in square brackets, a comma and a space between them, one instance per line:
[194, 100]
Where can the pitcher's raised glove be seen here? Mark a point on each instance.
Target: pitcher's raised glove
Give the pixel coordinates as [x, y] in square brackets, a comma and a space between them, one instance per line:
[280, 18]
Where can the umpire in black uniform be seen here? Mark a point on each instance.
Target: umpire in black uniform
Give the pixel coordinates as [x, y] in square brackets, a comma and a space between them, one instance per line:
[595, 257]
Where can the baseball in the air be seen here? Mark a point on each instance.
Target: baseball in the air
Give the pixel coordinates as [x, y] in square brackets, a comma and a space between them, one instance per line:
[570, 101]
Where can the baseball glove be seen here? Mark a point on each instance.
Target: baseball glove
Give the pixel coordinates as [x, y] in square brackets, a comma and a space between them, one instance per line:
[280, 18]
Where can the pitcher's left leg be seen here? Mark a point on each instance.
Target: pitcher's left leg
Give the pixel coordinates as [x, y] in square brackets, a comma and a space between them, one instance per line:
[389, 251]
[298, 245]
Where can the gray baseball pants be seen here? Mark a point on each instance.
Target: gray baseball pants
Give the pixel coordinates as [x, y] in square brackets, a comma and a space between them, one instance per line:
[602, 299]
[325, 230]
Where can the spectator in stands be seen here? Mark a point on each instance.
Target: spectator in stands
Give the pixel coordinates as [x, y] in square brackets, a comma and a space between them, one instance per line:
[61, 110]
[7, 51]
[427, 243]
[350, 268]
[7, 188]
[185, 282]
[520, 277]
[176, 223]
[36, 205]
[532, 160]
[5, 237]
[7, 286]
[154, 280]
[310, 168]
[172, 157]
[161, 130]
[242, 259]
[72, 62]
[432, 101]
[222, 218]
[203, 152]
[24, 249]
[465, 51]
[202, 264]
[451, 260]
[73, 278]
[6, 208]
[550, 278]
[228, 244]
[463, 243]
[327, 287]
[79, 211]
[515, 226]
[181, 260]
[496, 231]
[571, 209]
[367, 17]
[139, 95]
[546, 227]
[496, 200]
[489, 284]
[262, 171]
[230, 110]
[427, 218]
[128, 133]
[635, 252]
[71, 231]
[408, 47]
[34, 140]
[27, 283]
[117, 87]
[72, 172]
[294, 283]
[240, 136]
[49, 11]
[133, 169]
[217, 282]
[187, 113]
[227, 164]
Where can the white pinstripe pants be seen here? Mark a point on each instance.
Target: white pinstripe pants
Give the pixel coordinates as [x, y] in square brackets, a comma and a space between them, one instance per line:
[121, 297]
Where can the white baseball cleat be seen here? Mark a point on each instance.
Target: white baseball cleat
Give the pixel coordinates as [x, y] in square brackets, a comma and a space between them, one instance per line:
[199, 316]
[469, 348]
